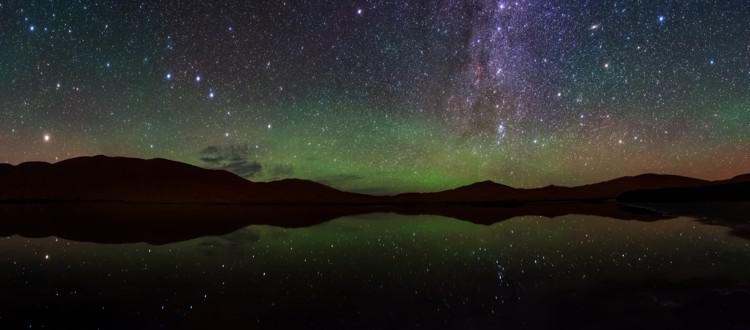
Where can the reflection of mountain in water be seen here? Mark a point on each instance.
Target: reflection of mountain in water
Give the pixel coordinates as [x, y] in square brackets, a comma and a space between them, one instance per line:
[388, 271]
[166, 223]
[105, 199]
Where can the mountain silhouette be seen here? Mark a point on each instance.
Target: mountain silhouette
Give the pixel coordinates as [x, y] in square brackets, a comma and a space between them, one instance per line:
[739, 178]
[490, 192]
[728, 191]
[117, 200]
[120, 179]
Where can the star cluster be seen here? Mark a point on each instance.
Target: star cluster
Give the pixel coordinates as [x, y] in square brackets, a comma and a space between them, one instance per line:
[383, 96]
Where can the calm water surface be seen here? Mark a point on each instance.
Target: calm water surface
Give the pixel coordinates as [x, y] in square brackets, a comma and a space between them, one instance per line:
[389, 271]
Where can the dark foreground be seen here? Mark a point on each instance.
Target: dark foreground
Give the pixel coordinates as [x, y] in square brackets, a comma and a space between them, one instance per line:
[127, 266]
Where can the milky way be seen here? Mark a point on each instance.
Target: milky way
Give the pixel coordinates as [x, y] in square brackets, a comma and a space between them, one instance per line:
[383, 96]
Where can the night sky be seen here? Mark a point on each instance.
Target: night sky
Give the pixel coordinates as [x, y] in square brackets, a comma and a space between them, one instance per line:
[383, 96]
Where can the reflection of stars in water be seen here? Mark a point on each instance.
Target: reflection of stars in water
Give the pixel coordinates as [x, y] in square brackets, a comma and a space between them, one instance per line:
[548, 257]
[500, 272]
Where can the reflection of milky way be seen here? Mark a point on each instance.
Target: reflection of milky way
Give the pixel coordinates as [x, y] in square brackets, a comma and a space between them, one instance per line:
[384, 95]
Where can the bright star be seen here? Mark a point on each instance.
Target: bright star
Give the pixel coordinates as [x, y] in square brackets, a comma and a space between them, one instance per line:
[360, 11]
[500, 133]
[47, 138]
[198, 78]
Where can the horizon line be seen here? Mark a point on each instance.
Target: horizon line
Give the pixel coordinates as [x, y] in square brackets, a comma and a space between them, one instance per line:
[708, 180]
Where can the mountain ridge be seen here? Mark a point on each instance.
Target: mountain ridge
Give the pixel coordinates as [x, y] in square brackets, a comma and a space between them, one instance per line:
[159, 180]
[102, 178]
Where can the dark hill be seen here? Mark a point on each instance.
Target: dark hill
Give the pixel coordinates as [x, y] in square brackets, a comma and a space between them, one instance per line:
[718, 192]
[480, 192]
[739, 178]
[490, 192]
[119, 179]
[102, 178]
[613, 188]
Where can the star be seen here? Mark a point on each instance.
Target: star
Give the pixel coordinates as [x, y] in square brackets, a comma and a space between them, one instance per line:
[500, 134]
[466, 82]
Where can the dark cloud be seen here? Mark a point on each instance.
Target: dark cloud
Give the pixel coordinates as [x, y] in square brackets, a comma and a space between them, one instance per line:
[234, 158]
[242, 160]
[379, 190]
[281, 170]
[211, 160]
[211, 150]
[336, 180]
[243, 168]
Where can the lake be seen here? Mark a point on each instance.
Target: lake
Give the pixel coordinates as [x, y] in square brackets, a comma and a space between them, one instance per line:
[384, 270]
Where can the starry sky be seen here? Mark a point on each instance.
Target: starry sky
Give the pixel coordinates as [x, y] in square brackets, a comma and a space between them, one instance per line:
[383, 96]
